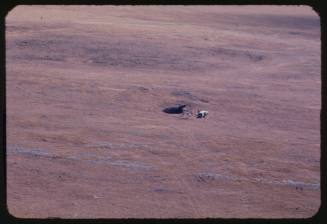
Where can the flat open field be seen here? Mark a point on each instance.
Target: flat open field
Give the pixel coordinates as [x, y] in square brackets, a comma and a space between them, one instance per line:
[87, 137]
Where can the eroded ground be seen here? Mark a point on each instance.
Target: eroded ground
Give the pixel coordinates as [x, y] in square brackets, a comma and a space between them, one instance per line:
[87, 138]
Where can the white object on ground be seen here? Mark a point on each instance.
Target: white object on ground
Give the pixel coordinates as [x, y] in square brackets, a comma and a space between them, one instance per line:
[202, 114]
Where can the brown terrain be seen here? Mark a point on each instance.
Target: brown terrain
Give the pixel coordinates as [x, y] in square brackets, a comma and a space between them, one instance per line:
[87, 137]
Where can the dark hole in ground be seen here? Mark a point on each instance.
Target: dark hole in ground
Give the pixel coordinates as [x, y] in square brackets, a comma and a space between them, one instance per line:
[174, 110]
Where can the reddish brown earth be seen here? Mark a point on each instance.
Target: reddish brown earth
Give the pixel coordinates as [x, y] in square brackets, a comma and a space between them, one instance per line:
[87, 138]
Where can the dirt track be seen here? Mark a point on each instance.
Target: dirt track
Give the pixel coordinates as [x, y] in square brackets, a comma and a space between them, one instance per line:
[87, 138]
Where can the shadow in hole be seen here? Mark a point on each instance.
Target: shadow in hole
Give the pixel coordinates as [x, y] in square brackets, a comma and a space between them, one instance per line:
[174, 110]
